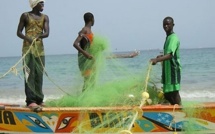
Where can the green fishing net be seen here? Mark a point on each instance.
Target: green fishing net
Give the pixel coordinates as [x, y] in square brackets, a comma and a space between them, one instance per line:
[110, 84]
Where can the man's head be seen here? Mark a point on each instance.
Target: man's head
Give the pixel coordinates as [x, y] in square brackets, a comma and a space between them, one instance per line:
[37, 3]
[168, 24]
[88, 17]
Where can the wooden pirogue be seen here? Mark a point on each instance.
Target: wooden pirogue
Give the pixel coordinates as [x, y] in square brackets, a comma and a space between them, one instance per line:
[150, 119]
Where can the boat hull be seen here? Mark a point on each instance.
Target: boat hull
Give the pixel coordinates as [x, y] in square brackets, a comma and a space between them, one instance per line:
[125, 119]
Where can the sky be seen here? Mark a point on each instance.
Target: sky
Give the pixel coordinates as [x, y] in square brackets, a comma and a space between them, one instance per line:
[127, 24]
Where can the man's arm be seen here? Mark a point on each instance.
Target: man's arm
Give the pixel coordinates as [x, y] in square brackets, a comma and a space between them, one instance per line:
[46, 28]
[161, 58]
[21, 25]
[76, 44]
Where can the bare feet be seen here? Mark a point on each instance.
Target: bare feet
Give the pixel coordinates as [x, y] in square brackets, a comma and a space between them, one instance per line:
[42, 104]
[34, 107]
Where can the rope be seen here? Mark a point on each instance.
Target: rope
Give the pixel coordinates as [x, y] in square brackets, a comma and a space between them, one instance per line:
[147, 76]
[173, 120]
[143, 101]
[48, 76]
[13, 68]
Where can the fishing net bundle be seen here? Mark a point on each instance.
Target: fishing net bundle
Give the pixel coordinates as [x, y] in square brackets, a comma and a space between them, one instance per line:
[111, 84]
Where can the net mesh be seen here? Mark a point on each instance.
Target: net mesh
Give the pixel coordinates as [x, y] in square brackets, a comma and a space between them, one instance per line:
[110, 83]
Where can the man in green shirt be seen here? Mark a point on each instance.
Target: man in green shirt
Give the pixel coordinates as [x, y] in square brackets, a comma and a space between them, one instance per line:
[171, 67]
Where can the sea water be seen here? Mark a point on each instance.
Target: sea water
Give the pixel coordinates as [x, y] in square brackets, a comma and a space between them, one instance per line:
[63, 76]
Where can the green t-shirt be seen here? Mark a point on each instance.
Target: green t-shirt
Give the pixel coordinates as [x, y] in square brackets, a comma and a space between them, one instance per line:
[171, 71]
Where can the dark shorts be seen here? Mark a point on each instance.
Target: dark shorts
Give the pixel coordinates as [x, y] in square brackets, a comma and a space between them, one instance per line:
[173, 97]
